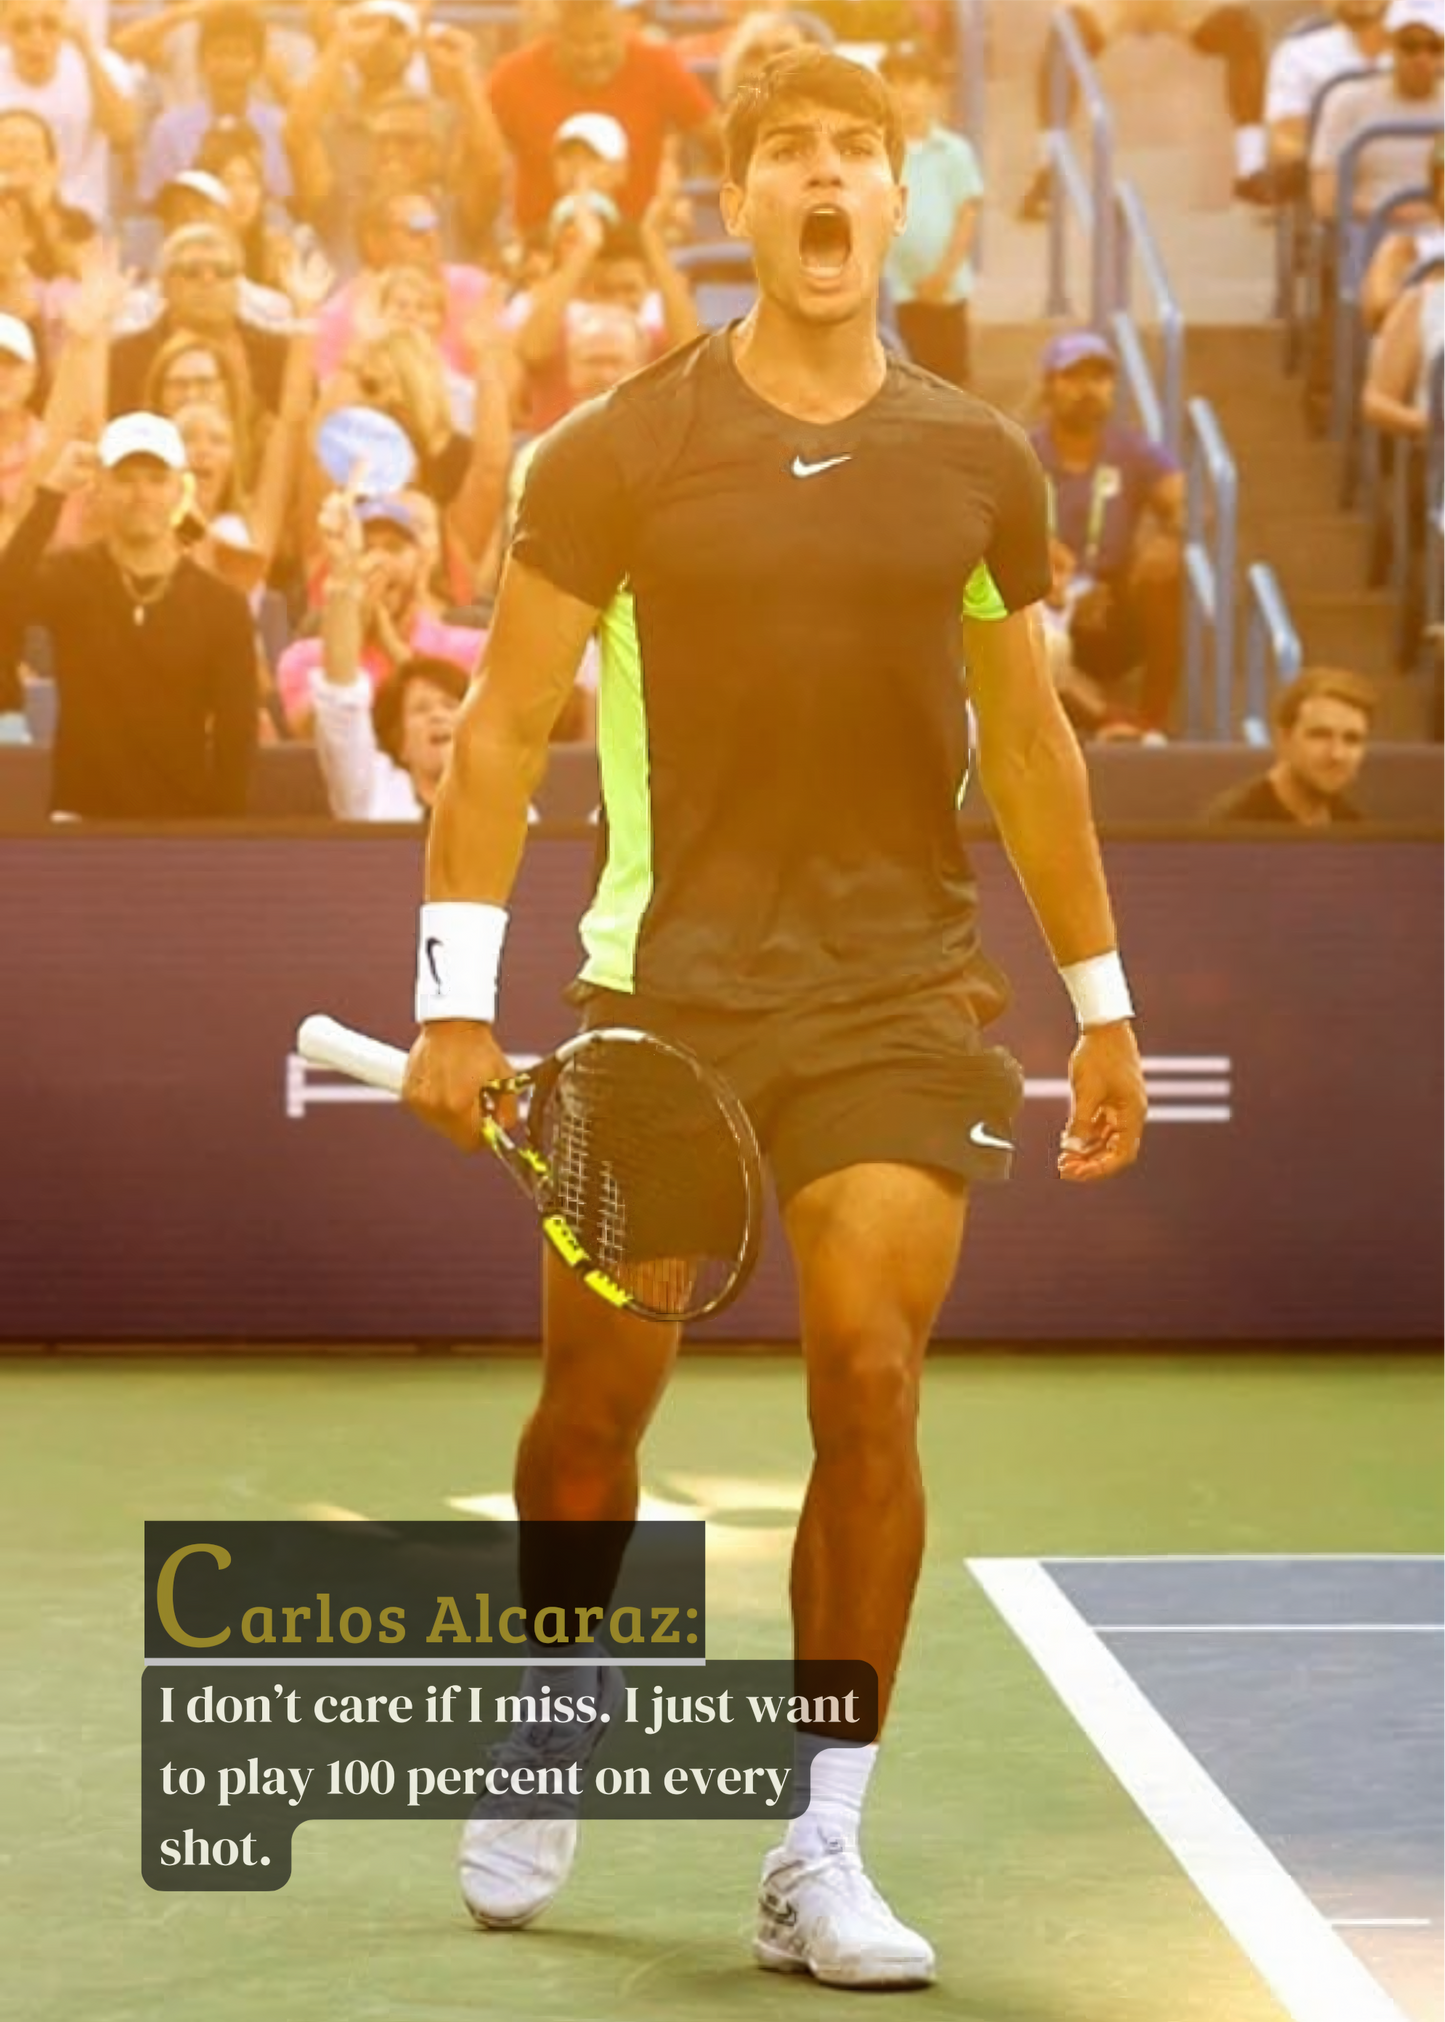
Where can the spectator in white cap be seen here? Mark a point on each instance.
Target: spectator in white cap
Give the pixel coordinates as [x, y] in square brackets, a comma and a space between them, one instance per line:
[355, 125]
[232, 53]
[1409, 91]
[153, 659]
[597, 258]
[590, 63]
[589, 152]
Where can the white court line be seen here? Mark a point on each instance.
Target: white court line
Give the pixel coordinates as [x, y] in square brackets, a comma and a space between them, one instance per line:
[1268, 1628]
[1307, 1966]
[1382, 1923]
[1235, 1559]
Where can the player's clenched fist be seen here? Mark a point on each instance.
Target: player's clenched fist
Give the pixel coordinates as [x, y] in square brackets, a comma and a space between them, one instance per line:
[451, 1063]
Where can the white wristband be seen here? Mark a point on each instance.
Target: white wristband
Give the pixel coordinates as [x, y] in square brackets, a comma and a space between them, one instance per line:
[1099, 990]
[459, 951]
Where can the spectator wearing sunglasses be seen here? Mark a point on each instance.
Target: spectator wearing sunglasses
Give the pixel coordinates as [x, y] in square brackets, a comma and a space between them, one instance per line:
[232, 51]
[356, 124]
[403, 228]
[1410, 91]
[49, 65]
[200, 292]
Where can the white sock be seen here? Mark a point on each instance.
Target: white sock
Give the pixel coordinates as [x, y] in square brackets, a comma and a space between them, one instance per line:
[838, 1774]
[1251, 151]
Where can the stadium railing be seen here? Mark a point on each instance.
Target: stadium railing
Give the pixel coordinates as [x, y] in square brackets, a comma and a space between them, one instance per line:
[1081, 196]
[1273, 654]
[1210, 559]
[1299, 244]
[1355, 241]
[1160, 406]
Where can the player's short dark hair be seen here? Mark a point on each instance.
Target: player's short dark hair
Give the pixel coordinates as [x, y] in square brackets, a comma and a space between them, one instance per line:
[812, 76]
[232, 24]
[1329, 684]
[389, 700]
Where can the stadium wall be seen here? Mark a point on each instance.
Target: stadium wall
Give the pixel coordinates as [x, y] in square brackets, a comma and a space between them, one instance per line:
[171, 1173]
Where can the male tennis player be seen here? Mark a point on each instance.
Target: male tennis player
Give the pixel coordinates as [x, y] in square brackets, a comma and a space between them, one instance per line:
[788, 540]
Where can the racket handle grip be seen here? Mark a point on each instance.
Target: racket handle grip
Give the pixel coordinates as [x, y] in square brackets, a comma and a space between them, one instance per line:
[326, 1044]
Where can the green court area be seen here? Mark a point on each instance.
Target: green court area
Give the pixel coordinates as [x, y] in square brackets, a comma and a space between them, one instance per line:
[993, 1826]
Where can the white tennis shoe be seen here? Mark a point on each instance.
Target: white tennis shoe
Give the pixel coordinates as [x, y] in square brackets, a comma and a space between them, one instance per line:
[516, 1852]
[821, 1915]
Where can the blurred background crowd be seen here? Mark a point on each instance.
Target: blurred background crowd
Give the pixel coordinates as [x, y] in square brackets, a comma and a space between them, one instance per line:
[288, 294]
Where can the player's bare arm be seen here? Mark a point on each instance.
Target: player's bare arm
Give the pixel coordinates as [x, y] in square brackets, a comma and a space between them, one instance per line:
[1033, 773]
[479, 829]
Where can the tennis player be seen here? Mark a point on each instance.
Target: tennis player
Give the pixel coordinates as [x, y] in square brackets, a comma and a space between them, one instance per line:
[790, 543]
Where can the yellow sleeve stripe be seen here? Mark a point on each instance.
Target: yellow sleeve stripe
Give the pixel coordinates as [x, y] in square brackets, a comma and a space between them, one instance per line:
[981, 598]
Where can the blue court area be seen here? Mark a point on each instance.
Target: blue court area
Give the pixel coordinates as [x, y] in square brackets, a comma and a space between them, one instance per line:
[1279, 1722]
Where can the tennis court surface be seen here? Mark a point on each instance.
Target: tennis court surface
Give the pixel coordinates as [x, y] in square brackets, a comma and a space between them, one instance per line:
[1172, 1698]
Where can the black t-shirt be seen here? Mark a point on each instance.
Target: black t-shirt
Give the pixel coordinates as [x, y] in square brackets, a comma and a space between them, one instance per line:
[1256, 800]
[782, 726]
[157, 720]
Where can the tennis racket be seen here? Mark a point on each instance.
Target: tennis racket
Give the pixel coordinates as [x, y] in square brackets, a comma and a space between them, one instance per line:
[638, 1157]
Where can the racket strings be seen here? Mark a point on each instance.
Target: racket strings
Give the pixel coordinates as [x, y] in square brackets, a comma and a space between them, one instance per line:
[646, 1171]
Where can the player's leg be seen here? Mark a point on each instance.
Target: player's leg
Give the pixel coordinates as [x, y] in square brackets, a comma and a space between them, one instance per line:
[875, 1247]
[1233, 34]
[1093, 33]
[602, 1375]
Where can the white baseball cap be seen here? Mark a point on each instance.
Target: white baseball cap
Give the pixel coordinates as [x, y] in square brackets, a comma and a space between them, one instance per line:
[598, 130]
[399, 11]
[15, 338]
[1427, 14]
[201, 184]
[142, 435]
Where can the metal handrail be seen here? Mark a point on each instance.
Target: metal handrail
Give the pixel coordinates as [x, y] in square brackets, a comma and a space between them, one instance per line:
[1273, 654]
[1160, 407]
[1210, 553]
[1079, 192]
[1352, 237]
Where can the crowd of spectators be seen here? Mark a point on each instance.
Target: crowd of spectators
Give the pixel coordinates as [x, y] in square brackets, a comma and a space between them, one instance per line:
[243, 265]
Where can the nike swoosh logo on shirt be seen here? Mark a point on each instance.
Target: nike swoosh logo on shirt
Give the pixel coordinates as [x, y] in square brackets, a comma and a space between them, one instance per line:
[981, 1134]
[802, 469]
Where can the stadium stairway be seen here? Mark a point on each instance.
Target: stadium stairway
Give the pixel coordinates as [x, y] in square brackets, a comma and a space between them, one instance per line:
[1289, 516]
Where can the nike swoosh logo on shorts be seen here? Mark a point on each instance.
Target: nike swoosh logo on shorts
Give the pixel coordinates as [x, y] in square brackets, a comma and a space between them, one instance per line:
[982, 1135]
[802, 469]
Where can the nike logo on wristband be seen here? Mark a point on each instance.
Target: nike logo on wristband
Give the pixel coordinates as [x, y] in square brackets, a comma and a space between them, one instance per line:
[429, 950]
[982, 1135]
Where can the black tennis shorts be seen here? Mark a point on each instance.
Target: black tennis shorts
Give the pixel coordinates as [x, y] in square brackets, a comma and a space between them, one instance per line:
[902, 1080]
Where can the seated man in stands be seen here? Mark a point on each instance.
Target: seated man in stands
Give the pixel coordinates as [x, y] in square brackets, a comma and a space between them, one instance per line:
[1118, 518]
[1321, 728]
[200, 292]
[1228, 31]
[1353, 37]
[155, 671]
[1410, 90]
[401, 614]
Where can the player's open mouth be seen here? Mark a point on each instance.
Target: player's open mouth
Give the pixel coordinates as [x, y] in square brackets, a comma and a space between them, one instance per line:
[826, 242]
